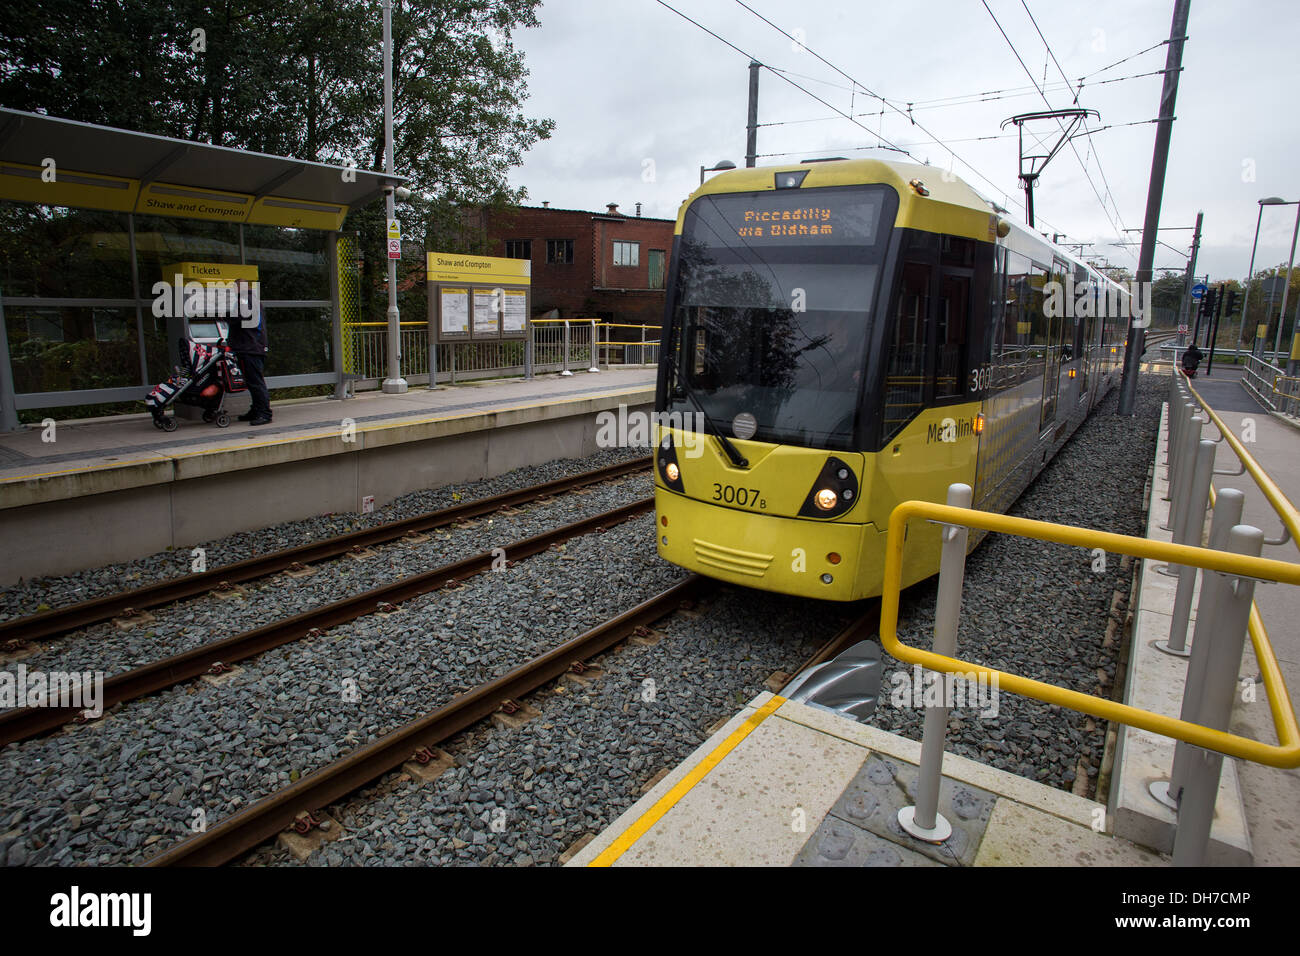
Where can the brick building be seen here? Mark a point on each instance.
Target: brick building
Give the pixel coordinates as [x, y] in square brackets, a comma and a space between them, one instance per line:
[606, 265]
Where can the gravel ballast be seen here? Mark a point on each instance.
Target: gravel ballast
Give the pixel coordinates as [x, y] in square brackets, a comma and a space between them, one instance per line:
[118, 790]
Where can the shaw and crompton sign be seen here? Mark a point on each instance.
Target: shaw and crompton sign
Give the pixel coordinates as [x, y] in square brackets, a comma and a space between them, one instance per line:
[478, 297]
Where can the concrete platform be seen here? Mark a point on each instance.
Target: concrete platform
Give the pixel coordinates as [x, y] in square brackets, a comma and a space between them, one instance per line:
[785, 784]
[113, 489]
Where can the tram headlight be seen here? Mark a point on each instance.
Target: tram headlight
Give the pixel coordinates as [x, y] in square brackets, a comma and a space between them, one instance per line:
[669, 470]
[833, 493]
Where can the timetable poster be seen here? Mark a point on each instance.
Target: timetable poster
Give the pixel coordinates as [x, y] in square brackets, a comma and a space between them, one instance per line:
[515, 313]
[455, 311]
[486, 302]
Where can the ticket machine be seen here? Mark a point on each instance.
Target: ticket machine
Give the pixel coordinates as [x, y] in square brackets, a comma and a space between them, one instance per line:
[204, 301]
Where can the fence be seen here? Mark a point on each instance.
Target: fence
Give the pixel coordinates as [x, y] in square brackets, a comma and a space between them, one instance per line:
[551, 345]
[1270, 386]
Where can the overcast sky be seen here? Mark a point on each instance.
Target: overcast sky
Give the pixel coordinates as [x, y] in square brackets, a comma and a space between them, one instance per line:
[642, 99]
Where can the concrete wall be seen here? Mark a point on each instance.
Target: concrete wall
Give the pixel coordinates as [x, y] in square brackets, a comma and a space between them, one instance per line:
[92, 519]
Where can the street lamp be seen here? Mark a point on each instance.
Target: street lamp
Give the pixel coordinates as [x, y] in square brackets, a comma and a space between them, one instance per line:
[394, 384]
[725, 164]
[1281, 316]
[1245, 299]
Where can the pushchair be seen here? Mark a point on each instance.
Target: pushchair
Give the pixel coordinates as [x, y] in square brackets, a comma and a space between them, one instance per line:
[209, 372]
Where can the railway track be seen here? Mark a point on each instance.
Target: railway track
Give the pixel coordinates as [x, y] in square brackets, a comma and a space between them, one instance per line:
[18, 632]
[27, 722]
[267, 817]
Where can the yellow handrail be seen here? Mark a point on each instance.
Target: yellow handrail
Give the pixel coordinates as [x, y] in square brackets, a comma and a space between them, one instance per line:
[1280, 502]
[1286, 754]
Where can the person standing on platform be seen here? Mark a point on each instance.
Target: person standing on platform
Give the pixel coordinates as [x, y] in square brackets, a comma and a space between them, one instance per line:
[248, 342]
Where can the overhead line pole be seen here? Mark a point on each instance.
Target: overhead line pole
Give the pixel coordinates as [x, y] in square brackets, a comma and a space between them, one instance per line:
[751, 138]
[1155, 194]
[1190, 277]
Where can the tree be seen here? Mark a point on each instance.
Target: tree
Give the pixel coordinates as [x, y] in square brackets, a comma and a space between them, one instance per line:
[301, 78]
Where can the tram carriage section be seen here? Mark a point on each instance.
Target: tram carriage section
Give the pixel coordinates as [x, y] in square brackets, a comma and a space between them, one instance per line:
[852, 334]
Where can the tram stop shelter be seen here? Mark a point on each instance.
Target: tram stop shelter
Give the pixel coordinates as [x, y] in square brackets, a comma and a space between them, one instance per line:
[91, 217]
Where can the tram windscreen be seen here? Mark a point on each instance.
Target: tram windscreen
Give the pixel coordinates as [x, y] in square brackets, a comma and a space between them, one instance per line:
[771, 308]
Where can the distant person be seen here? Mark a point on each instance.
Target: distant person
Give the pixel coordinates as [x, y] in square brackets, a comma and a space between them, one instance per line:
[1191, 359]
[248, 342]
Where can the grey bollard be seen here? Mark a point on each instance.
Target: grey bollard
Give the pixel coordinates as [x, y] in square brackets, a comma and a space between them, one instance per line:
[923, 820]
[1227, 513]
[1198, 499]
[1227, 612]
[1185, 466]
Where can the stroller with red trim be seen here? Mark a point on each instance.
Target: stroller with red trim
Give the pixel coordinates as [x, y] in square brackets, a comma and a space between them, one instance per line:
[208, 374]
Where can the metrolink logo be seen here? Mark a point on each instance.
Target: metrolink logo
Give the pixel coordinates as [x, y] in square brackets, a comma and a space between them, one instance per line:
[949, 430]
[1119, 300]
[239, 299]
[923, 688]
[633, 429]
[83, 691]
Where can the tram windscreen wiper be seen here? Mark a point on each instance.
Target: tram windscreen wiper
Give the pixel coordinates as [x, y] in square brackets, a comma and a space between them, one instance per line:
[681, 387]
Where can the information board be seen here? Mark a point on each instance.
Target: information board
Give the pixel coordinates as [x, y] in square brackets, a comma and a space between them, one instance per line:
[455, 311]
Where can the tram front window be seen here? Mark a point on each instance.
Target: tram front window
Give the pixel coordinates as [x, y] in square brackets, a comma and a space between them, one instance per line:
[777, 326]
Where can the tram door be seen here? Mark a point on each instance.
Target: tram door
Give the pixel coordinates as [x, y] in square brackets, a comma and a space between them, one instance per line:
[1057, 355]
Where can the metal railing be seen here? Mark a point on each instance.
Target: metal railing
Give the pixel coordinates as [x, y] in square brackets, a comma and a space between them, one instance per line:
[551, 345]
[1225, 615]
[1270, 386]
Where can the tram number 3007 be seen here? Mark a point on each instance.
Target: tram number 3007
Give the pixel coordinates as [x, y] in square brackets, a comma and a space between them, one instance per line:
[730, 494]
[980, 378]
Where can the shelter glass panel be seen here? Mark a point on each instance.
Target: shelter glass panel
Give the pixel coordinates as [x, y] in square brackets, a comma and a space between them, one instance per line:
[55, 252]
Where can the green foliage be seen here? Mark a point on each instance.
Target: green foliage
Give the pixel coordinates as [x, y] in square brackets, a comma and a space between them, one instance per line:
[301, 78]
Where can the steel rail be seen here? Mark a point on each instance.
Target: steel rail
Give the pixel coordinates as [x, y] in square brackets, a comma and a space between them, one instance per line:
[25, 722]
[61, 620]
[859, 629]
[264, 819]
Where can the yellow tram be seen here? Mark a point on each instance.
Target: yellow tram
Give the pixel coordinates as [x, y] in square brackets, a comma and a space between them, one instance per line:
[844, 335]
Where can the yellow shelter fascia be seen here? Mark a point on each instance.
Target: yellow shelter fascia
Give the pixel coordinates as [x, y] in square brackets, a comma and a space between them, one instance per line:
[23, 183]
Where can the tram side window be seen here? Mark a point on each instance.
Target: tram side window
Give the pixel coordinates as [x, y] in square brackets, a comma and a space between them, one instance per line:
[905, 373]
[1017, 321]
[954, 311]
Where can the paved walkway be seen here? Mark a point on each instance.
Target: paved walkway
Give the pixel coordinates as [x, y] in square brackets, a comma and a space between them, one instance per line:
[23, 453]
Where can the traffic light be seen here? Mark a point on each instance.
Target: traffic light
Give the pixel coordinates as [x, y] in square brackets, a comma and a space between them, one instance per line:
[1209, 300]
[1230, 304]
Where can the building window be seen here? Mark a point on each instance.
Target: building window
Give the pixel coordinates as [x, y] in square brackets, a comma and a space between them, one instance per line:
[559, 251]
[519, 248]
[656, 268]
[627, 253]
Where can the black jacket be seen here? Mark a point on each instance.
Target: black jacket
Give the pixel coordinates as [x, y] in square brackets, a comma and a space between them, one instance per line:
[248, 341]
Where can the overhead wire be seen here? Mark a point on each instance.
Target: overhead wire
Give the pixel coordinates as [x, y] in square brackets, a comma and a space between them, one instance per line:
[885, 102]
[803, 90]
[1029, 73]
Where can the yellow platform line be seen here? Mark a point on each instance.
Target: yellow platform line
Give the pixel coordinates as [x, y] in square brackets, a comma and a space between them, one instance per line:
[701, 770]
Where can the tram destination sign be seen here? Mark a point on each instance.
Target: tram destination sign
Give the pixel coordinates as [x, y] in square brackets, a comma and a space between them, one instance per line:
[829, 216]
